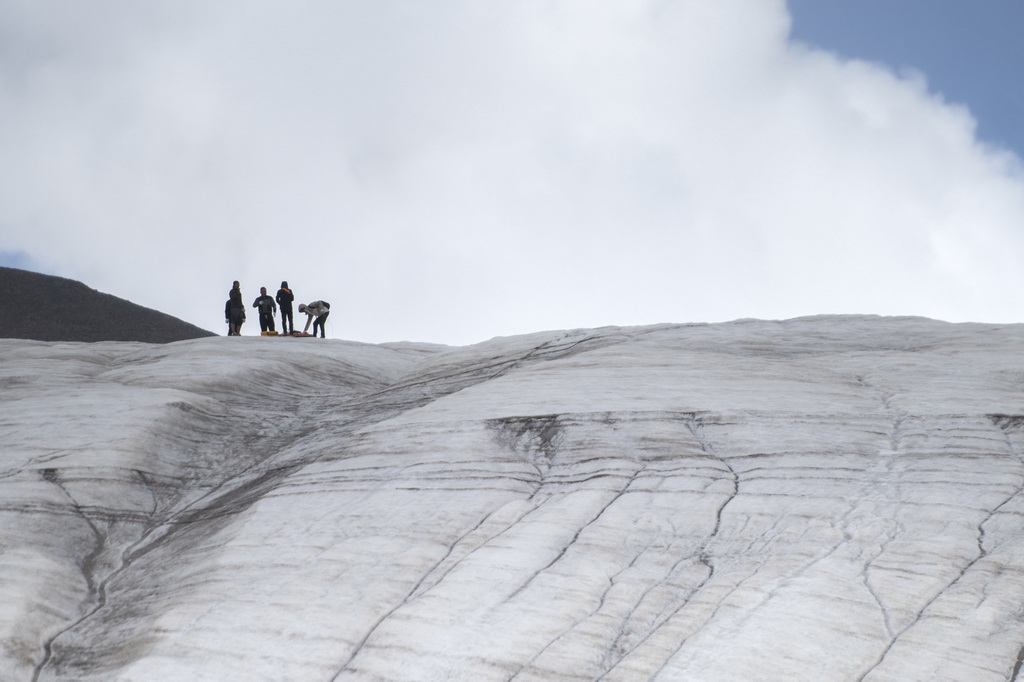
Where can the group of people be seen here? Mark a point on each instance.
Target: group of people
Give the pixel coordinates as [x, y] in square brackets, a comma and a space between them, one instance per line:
[267, 305]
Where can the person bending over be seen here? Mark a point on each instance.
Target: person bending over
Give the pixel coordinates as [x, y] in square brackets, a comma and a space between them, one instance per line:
[317, 313]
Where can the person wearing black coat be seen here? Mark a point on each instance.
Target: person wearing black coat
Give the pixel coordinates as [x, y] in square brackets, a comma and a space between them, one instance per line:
[284, 300]
[234, 310]
[265, 304]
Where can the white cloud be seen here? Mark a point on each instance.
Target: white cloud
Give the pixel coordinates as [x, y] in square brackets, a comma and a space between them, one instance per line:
[453, 170]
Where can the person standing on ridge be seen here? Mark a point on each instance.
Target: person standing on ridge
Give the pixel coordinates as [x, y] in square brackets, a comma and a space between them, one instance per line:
[284, 300]
[234, 310]
[265, 304]
[319, 310]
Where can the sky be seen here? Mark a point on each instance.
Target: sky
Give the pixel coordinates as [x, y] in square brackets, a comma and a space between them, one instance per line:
[970, 53]
[453, 171]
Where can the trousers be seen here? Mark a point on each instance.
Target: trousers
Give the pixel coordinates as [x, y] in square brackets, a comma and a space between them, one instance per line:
[319, 321]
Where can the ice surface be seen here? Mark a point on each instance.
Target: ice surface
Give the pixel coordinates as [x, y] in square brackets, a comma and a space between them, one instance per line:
[834, 498]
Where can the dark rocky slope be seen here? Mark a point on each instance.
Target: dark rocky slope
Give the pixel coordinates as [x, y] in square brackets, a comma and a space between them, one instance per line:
[48, 308]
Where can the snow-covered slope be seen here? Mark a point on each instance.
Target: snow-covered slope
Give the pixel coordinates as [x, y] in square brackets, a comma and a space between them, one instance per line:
[816, 499]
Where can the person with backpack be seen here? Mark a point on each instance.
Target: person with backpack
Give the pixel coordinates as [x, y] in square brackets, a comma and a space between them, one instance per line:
[265, 304]
[234, 310]
[318, 310]
[284, 300]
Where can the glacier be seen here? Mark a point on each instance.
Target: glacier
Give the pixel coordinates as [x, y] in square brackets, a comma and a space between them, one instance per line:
[825, 498]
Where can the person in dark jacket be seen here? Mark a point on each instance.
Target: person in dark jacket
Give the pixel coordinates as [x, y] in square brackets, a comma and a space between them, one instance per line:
[234, 310]
[284, 299]
[265, 304]
[317, 312]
